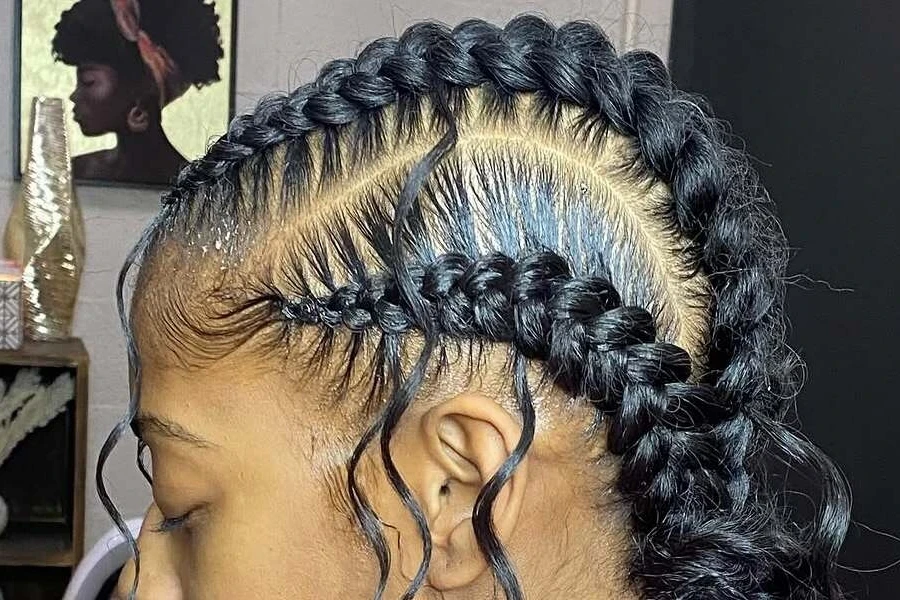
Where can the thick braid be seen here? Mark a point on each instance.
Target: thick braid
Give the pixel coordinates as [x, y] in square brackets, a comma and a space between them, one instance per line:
[738, 243]
[528, 56]
[594, 346]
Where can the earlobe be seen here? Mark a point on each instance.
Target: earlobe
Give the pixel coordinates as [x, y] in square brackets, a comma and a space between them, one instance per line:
[467, 440]
[138, 119]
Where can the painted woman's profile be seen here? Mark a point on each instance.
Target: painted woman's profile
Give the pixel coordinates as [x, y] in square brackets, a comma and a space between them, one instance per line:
[133, 59]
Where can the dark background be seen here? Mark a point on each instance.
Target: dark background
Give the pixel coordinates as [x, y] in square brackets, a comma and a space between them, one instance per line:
[813, 90]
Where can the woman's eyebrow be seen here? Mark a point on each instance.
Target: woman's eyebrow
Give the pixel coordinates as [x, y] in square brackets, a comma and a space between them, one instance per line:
[149, 424]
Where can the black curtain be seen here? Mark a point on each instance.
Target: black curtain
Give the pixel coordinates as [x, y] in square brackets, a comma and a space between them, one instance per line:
[812, 90]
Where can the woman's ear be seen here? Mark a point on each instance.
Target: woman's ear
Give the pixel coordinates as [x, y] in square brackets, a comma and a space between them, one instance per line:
[138, 118]
[464, 442]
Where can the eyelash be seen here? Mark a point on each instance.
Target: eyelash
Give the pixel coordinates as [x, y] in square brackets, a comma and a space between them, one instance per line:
[168, 525]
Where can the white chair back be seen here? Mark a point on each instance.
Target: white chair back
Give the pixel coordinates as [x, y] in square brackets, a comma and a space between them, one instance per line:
[106, 557]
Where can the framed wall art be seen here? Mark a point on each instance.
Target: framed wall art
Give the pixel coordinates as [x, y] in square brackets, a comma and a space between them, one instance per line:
[147, 83]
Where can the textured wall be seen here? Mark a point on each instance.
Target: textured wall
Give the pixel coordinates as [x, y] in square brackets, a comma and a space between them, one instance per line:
[280, 44]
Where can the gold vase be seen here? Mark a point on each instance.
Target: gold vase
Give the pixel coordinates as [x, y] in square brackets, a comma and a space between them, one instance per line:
[45, 232]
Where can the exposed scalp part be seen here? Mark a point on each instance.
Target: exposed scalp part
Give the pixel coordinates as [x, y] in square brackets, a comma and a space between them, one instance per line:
[527, 186]
[513, 183]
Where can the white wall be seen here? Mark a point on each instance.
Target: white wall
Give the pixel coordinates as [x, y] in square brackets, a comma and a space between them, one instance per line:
[280, 44]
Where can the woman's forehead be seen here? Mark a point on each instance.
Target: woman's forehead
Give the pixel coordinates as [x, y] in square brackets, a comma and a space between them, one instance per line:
[225, 392]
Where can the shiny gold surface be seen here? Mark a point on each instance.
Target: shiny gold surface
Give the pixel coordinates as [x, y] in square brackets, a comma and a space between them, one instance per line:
[50, 227]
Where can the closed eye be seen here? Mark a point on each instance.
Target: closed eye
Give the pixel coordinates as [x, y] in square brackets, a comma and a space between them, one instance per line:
[170, 524]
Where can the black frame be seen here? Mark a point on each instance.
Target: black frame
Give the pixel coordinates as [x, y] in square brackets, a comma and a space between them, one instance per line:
[17, 100]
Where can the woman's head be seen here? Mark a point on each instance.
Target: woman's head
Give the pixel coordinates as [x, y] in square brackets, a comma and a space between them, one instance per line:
[135, 56]
[482, 308]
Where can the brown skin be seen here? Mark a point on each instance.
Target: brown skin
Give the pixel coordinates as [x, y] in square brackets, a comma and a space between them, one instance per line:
[271, 517]
[105, 103]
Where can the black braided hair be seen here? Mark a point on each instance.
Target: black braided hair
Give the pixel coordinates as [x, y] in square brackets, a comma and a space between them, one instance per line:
[692, 434]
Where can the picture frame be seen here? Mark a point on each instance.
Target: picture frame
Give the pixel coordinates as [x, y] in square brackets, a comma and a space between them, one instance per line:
[141, 126]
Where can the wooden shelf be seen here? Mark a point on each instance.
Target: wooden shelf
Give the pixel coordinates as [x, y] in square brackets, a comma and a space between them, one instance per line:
[65, 353]
[41, 547]
[45, 549]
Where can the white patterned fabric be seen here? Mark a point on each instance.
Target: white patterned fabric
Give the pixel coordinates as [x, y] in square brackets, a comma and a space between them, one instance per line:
[10, 315]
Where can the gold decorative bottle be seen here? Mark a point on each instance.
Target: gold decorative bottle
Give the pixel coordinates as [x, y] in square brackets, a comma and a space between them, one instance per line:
[45, 233]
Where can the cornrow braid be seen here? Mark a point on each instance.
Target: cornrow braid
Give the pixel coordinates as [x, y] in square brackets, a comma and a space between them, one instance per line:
[593, 345]
[528, 56]
[691, 443]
